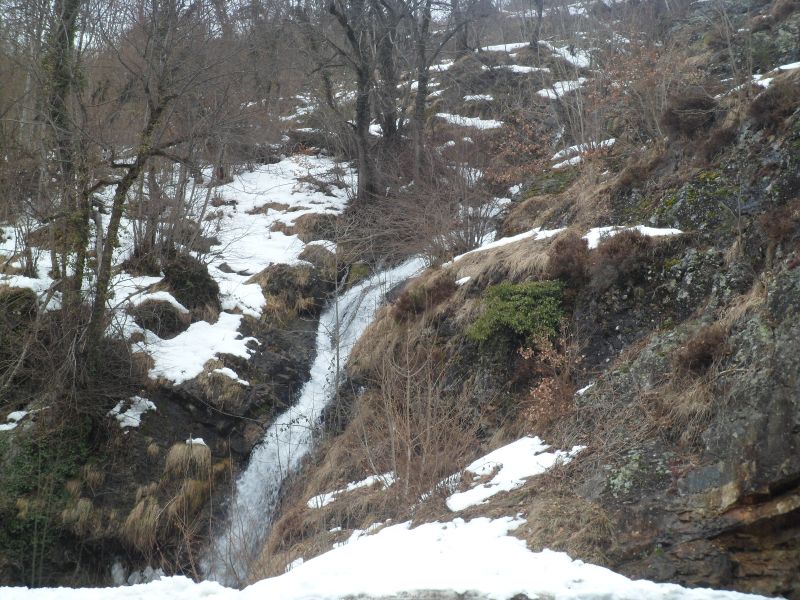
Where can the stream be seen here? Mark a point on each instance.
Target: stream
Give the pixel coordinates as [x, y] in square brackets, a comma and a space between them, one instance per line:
[291, 437]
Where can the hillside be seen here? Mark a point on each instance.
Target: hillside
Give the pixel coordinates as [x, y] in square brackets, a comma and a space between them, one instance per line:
[400, 300]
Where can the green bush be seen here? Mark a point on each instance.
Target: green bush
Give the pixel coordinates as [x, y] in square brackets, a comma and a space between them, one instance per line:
[519, 312]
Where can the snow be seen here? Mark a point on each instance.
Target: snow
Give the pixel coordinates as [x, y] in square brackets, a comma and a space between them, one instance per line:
[575, 56]
[322, 500]
[478, 98]
[597, 234]
[475, 122]
[583, 148]
[132, 416]
[570, 162]
[443, 66]
[477, 556]
[560, 88]
[13, 420]
[463, 281]
[515, 463]
[183, 357]
[160, 296]
[506, 47]
[535, 234]
[523, 69]
[231, 374]
[193, 441]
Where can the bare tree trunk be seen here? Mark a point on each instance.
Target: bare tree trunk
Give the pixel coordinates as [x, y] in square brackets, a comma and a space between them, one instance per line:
[536, 30]
[145, 150]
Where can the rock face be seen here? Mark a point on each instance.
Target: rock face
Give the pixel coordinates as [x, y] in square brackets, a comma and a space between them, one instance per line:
[727, 514]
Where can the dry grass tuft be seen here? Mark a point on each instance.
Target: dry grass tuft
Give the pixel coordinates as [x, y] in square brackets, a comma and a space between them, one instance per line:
[188, 460]
[141, 525]
[568, 523]
[153, 451]
[143, 491]
[93, 477]
[80, 517]
[189, 500]
[524, 260]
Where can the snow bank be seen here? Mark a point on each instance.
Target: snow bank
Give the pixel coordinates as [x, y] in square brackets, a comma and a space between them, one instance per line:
[475, 556]
[515, 463]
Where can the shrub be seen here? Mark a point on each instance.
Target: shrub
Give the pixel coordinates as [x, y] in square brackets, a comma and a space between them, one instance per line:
[623, 256]
[690, 113]
[191, 283]
[520, 312]
[569, 259]
[702, 351]
[160, 317]
[772, 106]
[418, 299]
[718, 140]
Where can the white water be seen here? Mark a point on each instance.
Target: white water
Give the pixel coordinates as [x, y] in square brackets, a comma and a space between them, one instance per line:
[290, 437]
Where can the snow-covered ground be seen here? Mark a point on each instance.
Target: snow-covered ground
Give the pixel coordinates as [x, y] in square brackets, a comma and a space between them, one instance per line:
[477, 556]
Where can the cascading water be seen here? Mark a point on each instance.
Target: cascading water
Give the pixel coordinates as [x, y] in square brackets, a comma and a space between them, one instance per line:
[290, 437]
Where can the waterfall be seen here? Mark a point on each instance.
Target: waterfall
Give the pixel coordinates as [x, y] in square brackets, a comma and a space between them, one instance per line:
[290, 437]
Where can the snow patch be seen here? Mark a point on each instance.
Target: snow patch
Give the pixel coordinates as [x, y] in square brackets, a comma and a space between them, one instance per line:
[514, 463]
[474, 122]
[322, 500]
[132, 416]
[183, 357]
